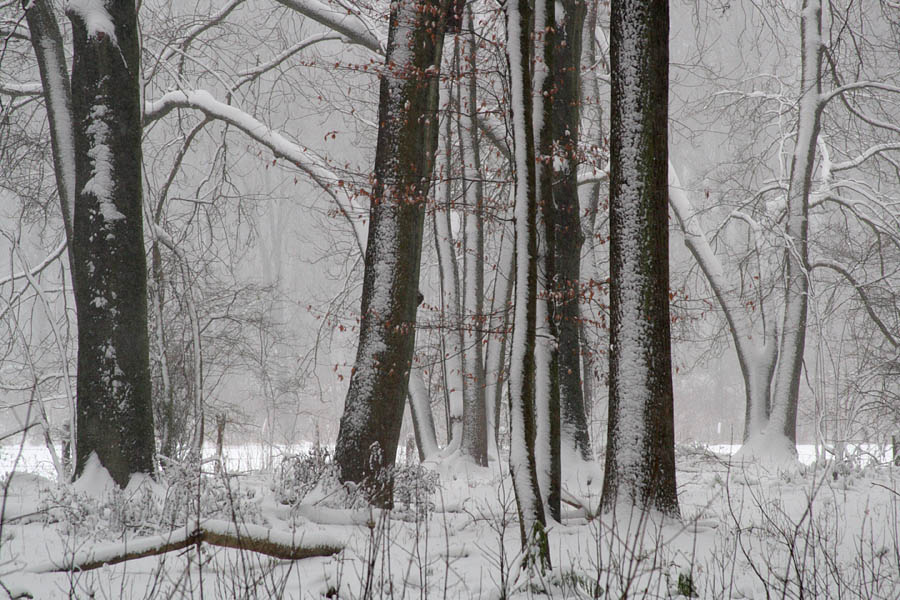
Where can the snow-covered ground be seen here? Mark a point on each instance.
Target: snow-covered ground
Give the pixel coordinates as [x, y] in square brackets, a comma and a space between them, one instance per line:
[813, 532]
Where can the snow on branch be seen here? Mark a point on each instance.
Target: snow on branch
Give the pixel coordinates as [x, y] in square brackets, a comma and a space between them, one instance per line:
[857, 85]
[341, 20]
[839, 268]
[203, 101]
[280, 146]
[57, 252]
[284, 545]
[14, 89]
[869, 153]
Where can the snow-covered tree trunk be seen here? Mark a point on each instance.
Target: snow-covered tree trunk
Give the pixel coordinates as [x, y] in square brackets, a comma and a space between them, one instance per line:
[114, 414]
[756, 347]
[568, 235]
[404, 156]
[50, 53]
[422, 418]
[532, 521]
[547, 446]
[640, 456]
[474, 433]
[783, 416]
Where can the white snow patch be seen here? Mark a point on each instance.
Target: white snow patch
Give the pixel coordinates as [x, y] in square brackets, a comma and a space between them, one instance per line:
[96, 18]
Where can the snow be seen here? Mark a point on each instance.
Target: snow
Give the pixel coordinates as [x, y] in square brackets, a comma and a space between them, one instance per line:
[100, 185]
[746, 533]
[96, 18]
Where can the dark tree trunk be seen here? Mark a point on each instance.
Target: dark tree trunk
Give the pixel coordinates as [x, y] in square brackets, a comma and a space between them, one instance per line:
[114, 414]
[569, 238]
[523, 430]
[640, 455]
[549, 396]
[407, 134]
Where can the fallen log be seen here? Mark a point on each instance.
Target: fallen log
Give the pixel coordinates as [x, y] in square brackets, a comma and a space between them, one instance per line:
[284, 545]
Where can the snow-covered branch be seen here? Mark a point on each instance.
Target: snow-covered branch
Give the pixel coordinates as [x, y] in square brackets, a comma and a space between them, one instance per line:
[857, 85]
[15, 89]
[869, 153]
[56, 253]
[860, 290]
[280, 146]
[343, 21]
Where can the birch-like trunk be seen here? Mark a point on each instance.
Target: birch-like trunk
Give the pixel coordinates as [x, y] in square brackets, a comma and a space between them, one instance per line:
[452, 340]
[474, 442]
[404, 156]
[114, 413]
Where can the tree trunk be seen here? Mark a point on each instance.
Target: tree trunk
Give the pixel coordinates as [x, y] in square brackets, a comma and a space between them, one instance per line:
[451, 316]
[568, 236]
[495, 358]
[407, 134]
[114, 414]
[783, 418]
[50, 53]
[474, 433]
[422, 419]
[640, 456]
[547, 450]
[532, 521]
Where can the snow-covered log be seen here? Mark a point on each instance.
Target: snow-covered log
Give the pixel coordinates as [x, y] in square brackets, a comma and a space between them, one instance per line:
[285, 545]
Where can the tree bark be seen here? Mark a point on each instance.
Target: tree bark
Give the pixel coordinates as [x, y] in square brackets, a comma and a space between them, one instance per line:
[568, 235]
[640, 456]
[532, 521]
[547, 451]
[114, 414]
[407, 134]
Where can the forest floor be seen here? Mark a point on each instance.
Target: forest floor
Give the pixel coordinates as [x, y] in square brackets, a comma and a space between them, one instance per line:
[831, 531]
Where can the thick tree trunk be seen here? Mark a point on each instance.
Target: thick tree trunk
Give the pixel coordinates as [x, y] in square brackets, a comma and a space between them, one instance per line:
[114, 414]
[640, 456]
[404, 155]
[474, 434]
[783, 417]
[568, 236]
[547, 450]
[532, 521]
